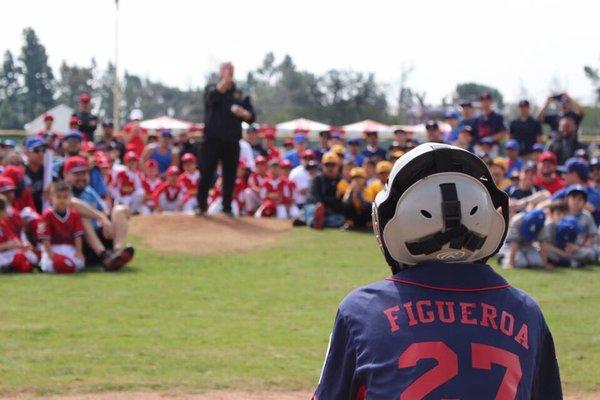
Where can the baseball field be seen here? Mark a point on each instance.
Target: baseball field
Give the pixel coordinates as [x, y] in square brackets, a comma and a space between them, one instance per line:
[224, 309]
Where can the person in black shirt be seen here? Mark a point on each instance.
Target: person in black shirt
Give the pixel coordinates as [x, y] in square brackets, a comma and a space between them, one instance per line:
[525, 186]
[490, 123]
[225, 108]
[325, 207]
[87, 122]
[254, 141]
[108, 141]
[568, 108]
[566, 143]
[34, 170]
[526, 130]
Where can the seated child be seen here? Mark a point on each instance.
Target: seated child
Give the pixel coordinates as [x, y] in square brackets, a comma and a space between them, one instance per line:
[169, 195]
[61, 234]
[524, 230]
[14, 256]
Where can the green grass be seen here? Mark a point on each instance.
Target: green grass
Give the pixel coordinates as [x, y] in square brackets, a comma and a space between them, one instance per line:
[255, 320]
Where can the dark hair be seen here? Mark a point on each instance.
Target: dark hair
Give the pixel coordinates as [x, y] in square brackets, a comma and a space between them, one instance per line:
[3, 203]
[60, 187]
[559, 206]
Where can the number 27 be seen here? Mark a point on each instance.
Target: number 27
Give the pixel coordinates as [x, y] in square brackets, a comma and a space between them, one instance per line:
[482, 357]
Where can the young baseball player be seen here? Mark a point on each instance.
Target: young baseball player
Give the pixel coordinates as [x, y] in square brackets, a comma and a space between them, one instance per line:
[577, 197]
[189, 179]
[445, 325]
[255, 182]
[274, 194]
[554, 241]
[290, 204]
[169, 195]
[522, 239]
[61, 234]
[151, 180]
[14, 255]
[127, 185]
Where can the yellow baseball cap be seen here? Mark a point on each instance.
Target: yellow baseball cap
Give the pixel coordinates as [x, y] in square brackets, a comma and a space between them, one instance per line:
[330, 157]
[338, 149]
[357, 172]
[383, 167]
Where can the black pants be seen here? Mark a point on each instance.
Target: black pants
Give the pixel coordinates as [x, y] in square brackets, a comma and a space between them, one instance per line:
[211, 152]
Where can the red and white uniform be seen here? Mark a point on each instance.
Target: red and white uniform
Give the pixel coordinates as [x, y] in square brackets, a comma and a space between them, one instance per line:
[273, 153]
[127, 189]
[17, 260]
[150, 186]
[238, 202]
[61, 232]
[168, 197]
[252, 192]
[189, 181]
[274, 196]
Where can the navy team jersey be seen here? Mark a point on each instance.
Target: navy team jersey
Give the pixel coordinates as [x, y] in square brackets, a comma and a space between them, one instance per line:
[440, 331]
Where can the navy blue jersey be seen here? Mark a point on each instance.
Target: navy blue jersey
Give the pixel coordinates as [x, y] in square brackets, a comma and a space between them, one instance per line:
[440, 331]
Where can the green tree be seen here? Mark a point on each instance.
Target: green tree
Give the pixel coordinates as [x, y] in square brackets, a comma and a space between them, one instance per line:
[11, 110]
[472, 91]
[73, 81]
[104, 92]
[593, 75]
[38, 77]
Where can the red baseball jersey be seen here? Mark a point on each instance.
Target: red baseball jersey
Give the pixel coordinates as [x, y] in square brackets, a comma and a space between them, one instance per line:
[291, 187]
[14, 221]
[150, 185]
[189, 181]
[255, 180]
[273, 153]
[6, 233]
[127, 182]
[275, 185]
[168, 193]
[60, 229]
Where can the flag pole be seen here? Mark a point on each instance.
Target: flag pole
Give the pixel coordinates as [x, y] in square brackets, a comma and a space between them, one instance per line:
[117, 85]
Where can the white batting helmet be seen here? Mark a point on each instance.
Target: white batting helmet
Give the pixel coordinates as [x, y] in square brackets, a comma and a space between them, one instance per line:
[440, 203]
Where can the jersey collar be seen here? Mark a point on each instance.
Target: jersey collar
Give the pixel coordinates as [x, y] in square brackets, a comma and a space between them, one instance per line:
[452, 277]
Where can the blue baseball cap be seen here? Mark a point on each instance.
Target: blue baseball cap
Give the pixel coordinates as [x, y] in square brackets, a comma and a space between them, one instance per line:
[299, 138]
[166, 133]
[33, 143]
[9, 143]
[512, 144]
[530, 166]
[539, 148]
[73, 134]
[577, 189]
[487, 140]
[577, 166]
[354, 142]
[451, 114]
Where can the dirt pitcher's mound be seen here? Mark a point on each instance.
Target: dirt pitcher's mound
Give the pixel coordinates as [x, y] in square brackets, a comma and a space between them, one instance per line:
[206, 235]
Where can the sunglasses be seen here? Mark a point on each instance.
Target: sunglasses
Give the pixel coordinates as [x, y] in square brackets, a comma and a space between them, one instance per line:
[38, 150]
[330, 165]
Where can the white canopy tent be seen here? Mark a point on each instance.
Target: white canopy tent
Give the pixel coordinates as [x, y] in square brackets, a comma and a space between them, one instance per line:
[357, 129]
[301, 124]
[62, 115]
[165, 122]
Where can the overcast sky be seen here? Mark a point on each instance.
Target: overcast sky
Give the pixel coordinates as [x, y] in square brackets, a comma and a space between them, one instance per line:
[510, 44]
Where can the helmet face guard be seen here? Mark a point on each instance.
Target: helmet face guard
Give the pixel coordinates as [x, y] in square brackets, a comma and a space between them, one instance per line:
[435, 176]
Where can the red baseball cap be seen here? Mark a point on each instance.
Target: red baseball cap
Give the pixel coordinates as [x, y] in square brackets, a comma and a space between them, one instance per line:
[285, 163]
[48, 117]
[308, 154]
[89, 147]
[103, 162]
[131, 156]
[17, 174]
[6, 184]
[269, 135]
[150, 163]
[188, 157]
[76, 164]
[260, 160]
[173, 170]
[85, 97]
[548, 156]
[74, 120]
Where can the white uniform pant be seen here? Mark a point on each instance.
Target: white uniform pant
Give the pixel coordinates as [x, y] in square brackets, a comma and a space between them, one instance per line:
[67, 250]
[7, 257]
[216, 207]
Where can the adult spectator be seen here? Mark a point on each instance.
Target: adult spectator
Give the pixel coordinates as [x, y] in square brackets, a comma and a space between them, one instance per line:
[86, 121]
[269, 134]
[566, 143]
[525, 187]
[568, 108]
[71, 146]
[302, 177]
[490, 123]
[546, 173]
[373, 150]
[225, 108]
[107, 141]
[247, 155]
[595, 173]
[300, 145]
[400, 139]
[162, 152]
[323, 146]
[467, 116]
[434, 134]
[105, 233]
[577, 172]
[526, 130]
[253, 140]
[354, 152]
[134, 135]
[325, 208]
[34, 170]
